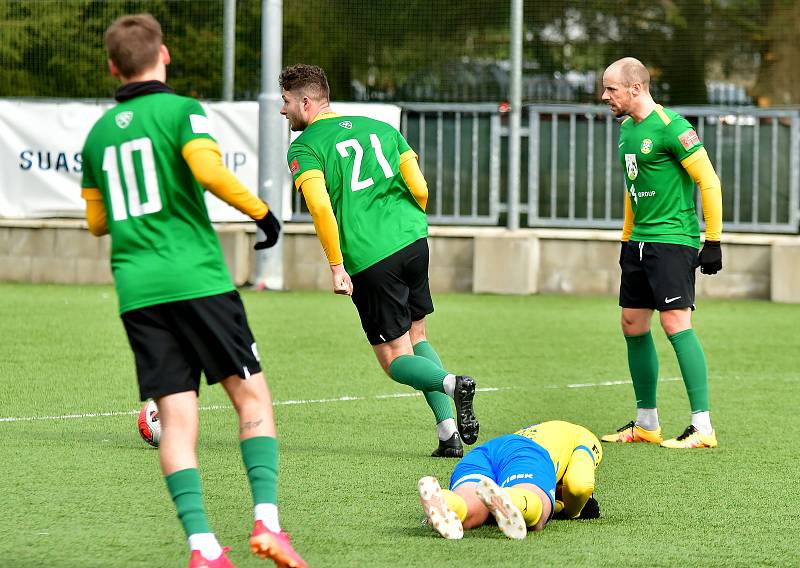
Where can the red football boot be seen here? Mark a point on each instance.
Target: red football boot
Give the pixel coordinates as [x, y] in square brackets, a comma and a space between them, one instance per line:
[275, 545]
[199, 561]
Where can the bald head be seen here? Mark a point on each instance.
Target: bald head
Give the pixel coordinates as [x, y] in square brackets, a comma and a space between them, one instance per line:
[628, 71]
[626, 88]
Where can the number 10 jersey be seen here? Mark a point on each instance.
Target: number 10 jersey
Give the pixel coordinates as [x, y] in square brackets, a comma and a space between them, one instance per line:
[163, 247]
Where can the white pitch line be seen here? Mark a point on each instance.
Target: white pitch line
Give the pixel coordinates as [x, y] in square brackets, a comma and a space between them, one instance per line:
[227, 407]
[606, 383]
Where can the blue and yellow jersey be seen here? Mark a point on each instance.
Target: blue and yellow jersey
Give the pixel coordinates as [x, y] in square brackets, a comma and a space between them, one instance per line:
[562, 439]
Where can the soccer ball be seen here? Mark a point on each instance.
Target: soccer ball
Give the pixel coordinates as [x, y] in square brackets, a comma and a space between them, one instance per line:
[149, 426]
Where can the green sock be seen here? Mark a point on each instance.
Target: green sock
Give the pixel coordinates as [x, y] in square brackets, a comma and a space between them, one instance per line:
[692, 361]
[438, 402]
[184, 488]
[425, 349]
[643, 364]
[418, 372]
[260, 455]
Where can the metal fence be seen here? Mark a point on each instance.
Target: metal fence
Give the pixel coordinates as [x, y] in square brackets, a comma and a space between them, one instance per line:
[574, 178]
[570, 174]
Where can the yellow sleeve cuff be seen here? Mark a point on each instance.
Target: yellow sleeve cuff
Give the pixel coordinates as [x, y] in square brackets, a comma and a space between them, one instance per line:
[96, 217]
[91, 194]
[310, 174]
[699, 166]
[319, 205]
[412, 175]
[204, 159]
[407, 155]
[627, 225]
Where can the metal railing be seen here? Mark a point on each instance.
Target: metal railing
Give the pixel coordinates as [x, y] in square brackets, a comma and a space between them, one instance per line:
[570, 175]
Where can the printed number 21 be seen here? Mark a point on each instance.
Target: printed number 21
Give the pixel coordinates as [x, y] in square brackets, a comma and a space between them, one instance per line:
[357, 184]
[135, 206]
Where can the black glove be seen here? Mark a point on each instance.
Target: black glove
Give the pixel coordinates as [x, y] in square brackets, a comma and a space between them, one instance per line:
[591, 510]
[272, 229]
[711, 258]
[622, 251]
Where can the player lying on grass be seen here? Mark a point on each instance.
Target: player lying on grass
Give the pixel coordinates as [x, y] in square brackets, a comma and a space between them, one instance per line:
[523, 479]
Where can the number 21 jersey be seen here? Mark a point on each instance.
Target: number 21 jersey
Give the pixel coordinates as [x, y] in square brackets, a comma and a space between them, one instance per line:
[360, 159]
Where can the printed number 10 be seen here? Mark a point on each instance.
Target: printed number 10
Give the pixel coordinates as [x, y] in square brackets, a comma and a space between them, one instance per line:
[134, 204]
[357, 184]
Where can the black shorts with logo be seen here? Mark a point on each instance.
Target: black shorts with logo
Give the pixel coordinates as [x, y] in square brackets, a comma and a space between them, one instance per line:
[658, 276]
[393, 292]
[173, 342]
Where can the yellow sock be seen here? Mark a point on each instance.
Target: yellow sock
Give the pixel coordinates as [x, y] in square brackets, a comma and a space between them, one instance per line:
[455, 503]
[528, 502]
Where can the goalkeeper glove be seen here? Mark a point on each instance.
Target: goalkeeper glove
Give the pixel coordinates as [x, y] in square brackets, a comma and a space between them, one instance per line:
[711, 258]
[271, 227]
[622, 251]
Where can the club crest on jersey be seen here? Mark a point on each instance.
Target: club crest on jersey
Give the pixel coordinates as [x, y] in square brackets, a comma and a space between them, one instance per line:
[124, 118]
[647, 146]
[631, 167]
[346, 124]
[689, 139]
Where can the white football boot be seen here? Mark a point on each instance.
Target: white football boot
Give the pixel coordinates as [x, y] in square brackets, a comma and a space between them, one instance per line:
[440, 517]
[509, 517]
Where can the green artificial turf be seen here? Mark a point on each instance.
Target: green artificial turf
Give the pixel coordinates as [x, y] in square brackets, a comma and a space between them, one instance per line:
[88, 492]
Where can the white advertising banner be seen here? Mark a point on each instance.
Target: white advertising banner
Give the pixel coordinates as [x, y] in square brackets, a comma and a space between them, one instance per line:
[41, 142]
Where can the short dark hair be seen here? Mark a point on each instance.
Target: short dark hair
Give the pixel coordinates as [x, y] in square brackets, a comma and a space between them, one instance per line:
[307, 79]
[133, 43]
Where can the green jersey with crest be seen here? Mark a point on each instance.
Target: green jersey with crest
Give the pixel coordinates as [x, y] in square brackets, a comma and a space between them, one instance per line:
[375, 210]
[163, 247]
[660, 190]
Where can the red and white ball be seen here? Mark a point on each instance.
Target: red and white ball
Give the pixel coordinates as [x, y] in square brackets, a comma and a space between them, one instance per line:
[149, 426]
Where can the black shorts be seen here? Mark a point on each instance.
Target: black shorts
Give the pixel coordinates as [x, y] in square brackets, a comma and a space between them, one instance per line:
[174, 342]
[658, 276]
[393, 292]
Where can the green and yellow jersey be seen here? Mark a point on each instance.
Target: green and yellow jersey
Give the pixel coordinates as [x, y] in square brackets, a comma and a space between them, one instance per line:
[163, 247]
[655, 154]
[359, 159]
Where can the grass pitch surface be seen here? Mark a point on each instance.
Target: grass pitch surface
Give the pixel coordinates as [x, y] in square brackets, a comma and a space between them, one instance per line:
[86, 491]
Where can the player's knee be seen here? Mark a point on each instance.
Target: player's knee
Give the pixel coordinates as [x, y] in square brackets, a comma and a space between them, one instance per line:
[634, 323]
[675, 321]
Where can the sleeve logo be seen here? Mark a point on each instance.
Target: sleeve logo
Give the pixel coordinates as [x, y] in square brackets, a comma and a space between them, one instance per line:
[294, 167]
[200, 124]
[123, 119]
[689, 139]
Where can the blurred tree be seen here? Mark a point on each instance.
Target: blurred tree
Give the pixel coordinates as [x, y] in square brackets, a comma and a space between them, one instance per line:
[778, 82]
[375, 49]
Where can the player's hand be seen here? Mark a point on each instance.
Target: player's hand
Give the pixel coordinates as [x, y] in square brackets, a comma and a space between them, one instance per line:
[711, 258]
[341, 280]
[591, 510]
[622, 251]
[271, 227]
